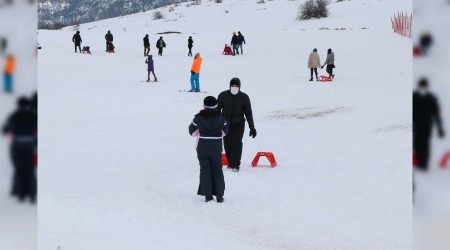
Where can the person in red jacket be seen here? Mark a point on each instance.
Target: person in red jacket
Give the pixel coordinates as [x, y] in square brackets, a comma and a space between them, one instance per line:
[195, 73]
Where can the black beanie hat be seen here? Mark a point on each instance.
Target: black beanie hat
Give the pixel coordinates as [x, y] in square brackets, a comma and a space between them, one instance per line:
[423, 83]
[210, 102]
[235, 81]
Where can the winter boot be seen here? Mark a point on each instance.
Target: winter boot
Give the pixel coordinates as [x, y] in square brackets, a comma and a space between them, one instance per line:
[310, 79]
[209, 198]
[156, 79]
[220, 199]
[148, 80]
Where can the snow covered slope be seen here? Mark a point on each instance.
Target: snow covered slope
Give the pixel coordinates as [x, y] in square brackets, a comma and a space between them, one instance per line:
[118, 169]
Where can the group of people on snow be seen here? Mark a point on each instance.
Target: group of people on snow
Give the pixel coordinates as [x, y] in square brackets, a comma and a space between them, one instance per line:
[236, 43]
[225, 118]
[76, 39]
[314, 63]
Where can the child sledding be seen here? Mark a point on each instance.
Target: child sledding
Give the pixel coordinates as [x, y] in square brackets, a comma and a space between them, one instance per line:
[227, 51]
[110, 47]
[86, 50]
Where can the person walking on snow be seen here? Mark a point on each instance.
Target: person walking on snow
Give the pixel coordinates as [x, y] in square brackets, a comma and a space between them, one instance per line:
[240, 40]
[8, 71]
[160, 44]
[195, 73]
[150, 68]
[108, 38]
[234, 105]
[330, 63]
[234, 43]
[314, 63]
[76, 39]
[146, 45]
[209, 126]
[190, 45]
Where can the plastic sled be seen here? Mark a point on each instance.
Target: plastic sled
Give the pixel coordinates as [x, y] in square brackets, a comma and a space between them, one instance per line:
[224, 159]
[444, 160]
[268, 155]
[325, 79]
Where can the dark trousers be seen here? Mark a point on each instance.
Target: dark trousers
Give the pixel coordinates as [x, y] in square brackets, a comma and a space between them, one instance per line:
[79, 47]
[315, 71]
[146, 50]
[233, 144]
[209, 154]
[160, 51]
[421, 145]
[24, 178]
[190, 52]
[107, 42]
[330, 69]
[153, 72]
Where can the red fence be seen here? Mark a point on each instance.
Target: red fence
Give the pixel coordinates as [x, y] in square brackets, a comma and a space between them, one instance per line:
[401, 24]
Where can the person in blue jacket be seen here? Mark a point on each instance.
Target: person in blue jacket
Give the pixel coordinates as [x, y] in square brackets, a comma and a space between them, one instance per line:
[209, 126]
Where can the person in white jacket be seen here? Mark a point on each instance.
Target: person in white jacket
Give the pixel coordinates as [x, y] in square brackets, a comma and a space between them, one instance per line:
[314, 63]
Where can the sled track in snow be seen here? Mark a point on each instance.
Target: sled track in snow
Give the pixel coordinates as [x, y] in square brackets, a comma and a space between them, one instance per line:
[306, 113]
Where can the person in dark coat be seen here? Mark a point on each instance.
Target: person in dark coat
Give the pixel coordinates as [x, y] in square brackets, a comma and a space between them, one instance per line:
[425, 42]
[146, 45]
[330, 63]
[109, 38]
[22, 127]
[209, 126]
[76, 39]
[425, 114]
[150, 68]
[190, 45]
[234, 105]
[234, 44]
[160, 44]
[240, 40]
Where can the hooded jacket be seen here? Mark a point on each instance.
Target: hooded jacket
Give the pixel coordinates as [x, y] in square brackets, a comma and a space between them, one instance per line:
[208, 124]
[149, 62]
[77, 38]
[196, 65]
[313, 60]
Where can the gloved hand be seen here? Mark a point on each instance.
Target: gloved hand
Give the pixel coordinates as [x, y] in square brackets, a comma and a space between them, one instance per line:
[252, 132]
[192, 72]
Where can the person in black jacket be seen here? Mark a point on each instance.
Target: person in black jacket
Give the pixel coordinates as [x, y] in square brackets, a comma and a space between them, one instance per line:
[425, 113]
[109, 38]
[190, 45]
[209, 126]
[240, 40]
[146, 45]
[76, 39]
[234, 105]
[22, 126]
[160, 44]
[234, 44]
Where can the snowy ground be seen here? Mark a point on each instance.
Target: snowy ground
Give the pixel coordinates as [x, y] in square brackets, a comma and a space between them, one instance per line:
[118, 169]
[18, 222]
[432, 202]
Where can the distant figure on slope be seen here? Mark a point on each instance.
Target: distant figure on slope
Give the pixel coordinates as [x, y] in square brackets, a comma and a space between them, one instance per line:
[240, 40]
[234, 44]
[314, 63]
[76, 39]
[330, 63]
[425, 114]
[111, 47]
[209, 126]
[190, 45]
[22, 126]
[195, 73]
[146, 45]
[108, 38]
[227, 50]
[150, 68]
[160, 44]
[426, 40]
[8, 72]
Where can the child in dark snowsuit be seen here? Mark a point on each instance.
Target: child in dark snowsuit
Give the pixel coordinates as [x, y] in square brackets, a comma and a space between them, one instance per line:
[150, 68]
[110, 47]
[209, 126]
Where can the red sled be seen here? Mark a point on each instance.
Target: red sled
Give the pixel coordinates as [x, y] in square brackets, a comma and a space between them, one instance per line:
[417, 52]
[444, 160]
[224, 159]
[325, 79]
[268, 155]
